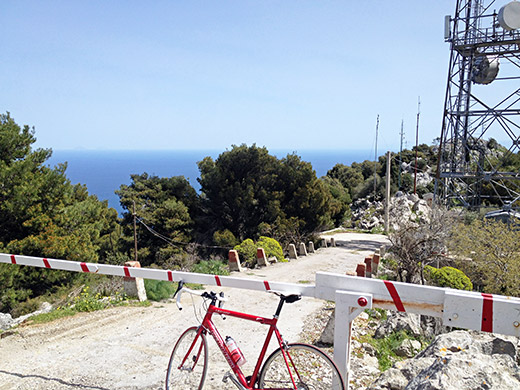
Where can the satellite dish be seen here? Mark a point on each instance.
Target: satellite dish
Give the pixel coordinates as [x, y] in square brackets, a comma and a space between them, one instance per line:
[509, 16]
[485, 69]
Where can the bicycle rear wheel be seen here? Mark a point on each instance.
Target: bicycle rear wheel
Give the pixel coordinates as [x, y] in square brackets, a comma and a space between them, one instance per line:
[188, 370]
[309, 366]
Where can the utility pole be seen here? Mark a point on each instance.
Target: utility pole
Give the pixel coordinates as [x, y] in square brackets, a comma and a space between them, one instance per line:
[135, 233]
[416, 144]
[400, 152]
[375, 159]
[387, 202]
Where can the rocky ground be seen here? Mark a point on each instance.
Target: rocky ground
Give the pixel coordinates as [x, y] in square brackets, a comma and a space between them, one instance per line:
[129, 347]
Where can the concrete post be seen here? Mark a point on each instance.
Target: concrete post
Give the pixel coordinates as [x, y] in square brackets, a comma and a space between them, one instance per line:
[311, 247]
[134, 287]
[292, 252]
[261, 258]
[324, 242]
[375, 263]
[382, 250]
[302, 251]
[332, 242]
[368, 263]
[234, 261]
[361, 270]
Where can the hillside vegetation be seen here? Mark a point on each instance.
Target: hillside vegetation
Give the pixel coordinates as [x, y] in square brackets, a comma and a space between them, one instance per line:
[246, 193]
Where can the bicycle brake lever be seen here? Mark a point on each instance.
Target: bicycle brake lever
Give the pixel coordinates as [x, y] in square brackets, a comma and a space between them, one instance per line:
[179, 288]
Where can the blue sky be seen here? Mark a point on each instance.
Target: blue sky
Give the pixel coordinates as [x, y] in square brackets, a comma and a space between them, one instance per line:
[208, 74]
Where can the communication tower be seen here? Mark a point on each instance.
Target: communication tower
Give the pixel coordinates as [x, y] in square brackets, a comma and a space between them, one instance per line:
[482, 105]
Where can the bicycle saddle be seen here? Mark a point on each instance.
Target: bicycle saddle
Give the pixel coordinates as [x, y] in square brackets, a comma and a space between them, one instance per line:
[291, 298]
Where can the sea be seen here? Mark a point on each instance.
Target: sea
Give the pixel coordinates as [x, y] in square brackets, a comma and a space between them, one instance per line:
[104, 171]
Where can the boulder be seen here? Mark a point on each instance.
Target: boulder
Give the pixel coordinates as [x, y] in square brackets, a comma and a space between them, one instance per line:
[432, 326]
[458, 360]
[408, 348]
[6, 321]
[396, 322]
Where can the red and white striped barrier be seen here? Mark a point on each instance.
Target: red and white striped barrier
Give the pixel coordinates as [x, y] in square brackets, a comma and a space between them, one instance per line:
[457, 308]
[157, 274]
[352, 294]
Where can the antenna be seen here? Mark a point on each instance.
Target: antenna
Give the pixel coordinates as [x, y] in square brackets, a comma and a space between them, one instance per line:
[476, 111]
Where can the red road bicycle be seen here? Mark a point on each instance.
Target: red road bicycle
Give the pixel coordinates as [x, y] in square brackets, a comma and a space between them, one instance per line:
[290, 367]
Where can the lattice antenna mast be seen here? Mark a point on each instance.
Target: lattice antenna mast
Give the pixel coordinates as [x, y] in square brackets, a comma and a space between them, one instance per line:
[481, 105]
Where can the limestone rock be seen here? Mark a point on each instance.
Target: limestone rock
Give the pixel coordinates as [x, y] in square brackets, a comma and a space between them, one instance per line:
[399, 321]
[6, 321]
[408, 348]
[458, 360]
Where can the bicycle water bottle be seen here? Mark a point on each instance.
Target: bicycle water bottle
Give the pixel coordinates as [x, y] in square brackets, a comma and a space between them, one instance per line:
[236, 354]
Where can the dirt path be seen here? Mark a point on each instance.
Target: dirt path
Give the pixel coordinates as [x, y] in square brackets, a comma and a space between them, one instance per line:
[129, 347]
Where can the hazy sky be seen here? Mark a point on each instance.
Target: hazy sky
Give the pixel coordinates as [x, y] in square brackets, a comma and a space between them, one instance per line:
[289, 74]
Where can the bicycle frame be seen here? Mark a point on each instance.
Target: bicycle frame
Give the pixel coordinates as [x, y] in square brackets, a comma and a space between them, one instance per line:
[208, 326]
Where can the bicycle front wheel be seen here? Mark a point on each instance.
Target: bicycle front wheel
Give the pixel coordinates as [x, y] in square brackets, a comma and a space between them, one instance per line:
[188, 362]
[310, 368]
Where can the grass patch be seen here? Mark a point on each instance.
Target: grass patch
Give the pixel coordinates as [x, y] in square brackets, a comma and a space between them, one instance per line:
[51, 316]
[85, 302]
[211, 267]
[195, 286]
[386, 347]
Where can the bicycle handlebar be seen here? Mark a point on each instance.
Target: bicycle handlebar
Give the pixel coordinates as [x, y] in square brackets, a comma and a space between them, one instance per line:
[204, 294]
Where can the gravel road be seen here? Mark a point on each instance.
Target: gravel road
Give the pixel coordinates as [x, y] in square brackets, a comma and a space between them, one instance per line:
[129, 347]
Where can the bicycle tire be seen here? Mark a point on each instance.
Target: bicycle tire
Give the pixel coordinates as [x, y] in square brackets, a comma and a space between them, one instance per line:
[310, 367]
[188, 377]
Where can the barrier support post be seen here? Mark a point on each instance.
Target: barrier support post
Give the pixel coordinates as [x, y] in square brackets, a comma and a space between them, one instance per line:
[348, 306]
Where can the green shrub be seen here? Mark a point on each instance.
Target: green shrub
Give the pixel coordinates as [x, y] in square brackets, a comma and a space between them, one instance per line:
[271, 247]
[225, 238]
[212, 267]
[247, 252]
[448, 277]
[157, 290]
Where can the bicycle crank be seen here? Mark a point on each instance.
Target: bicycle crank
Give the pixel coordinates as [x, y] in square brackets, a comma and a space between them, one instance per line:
[234, 380]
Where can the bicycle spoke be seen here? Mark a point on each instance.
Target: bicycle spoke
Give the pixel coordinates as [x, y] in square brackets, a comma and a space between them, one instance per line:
[188, 370]
[310, 368]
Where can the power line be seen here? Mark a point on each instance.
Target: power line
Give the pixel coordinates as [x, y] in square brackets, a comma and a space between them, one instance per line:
[174, 242]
